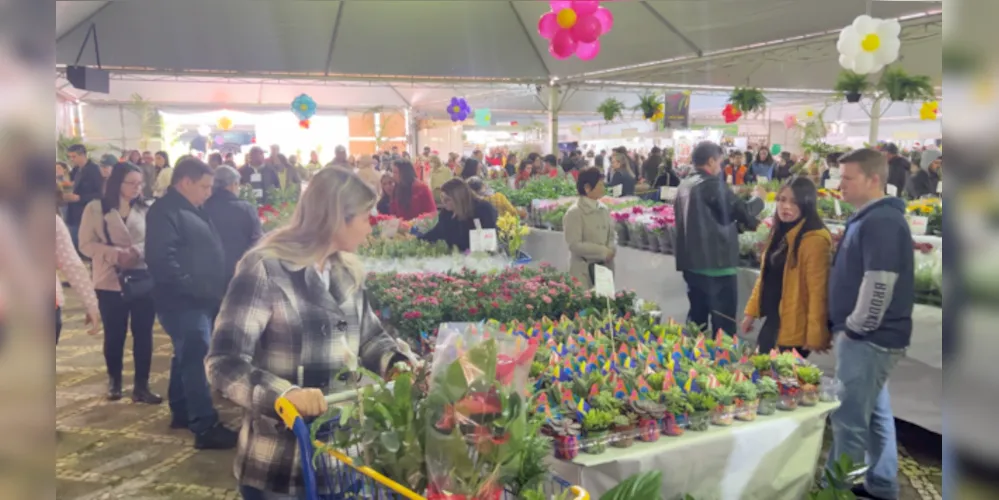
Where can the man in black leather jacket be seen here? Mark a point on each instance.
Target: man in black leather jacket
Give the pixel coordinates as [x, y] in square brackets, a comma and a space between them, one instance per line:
[187, 263]
[707, 240]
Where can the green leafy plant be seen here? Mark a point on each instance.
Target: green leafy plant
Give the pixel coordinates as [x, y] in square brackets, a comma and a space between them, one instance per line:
[785, 363]
[648, 104]
[724, 377]
[748, 99]
[537, 369]
[533, 469]
[623, 420]
[606, 401]
[648, 408]
[676, 401]
[610, 109]
[150, 121]
[761, 362]
[746, 390]
[724, 395]
[598, 420]
[851, 86]
[642, 486]
[656, 380]
[901, 86]
[702, 402]
[838, 481]
[810, 375]
[767, 387]
[563, 427]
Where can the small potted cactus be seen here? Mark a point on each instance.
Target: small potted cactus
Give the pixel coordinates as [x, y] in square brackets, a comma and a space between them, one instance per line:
[566, 437]
[809, 376]
[677, 410]
[747, 400]
[724, 414]
[704, 405]
[623, 430]
[769, 394]
[650, 412]
[596, 424]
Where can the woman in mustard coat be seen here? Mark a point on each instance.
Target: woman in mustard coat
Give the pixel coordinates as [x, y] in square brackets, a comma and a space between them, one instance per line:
[790, 292]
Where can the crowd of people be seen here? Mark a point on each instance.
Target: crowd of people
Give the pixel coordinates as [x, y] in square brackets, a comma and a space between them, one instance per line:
[262, 316]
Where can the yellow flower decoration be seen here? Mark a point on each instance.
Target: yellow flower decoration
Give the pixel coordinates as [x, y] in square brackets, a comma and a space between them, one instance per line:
[659, 115]
[929, 110]
[771, 196]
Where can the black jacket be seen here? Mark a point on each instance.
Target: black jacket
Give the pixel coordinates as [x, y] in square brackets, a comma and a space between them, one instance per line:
[268, 180]
[626, 181]
[89, 186]
[898, 173]
[184, 255]
[650, 169]
[455, 232]
[667, 179]
[237, 224]
[707, 212]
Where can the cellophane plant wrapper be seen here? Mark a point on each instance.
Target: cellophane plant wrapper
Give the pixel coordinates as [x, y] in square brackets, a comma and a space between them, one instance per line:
[477, 411]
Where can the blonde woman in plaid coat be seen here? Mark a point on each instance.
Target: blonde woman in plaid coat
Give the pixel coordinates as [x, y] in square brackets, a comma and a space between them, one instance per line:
[294, 317]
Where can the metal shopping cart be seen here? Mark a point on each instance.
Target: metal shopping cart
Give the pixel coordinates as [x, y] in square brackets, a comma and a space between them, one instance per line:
[351, 481]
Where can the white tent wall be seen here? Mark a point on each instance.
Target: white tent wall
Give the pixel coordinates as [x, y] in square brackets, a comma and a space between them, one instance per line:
[112, 128]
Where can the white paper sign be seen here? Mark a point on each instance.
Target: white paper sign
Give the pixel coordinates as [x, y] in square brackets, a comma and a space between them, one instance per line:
[255, 177]
[891, 190]
[389, 228]
[918, 224]
[617, 190]
[940, 187]
[667, 193]
[258, 193]
[832, 184]
[836, 208]
[482, 240]
[603, 281]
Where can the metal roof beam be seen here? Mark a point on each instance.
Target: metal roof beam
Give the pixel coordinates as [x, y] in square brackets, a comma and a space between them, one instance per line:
[665, 22]
[336, 29]
[530, 39]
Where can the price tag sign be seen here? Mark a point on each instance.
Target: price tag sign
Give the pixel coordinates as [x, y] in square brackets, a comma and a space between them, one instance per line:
[832, 184]
[617, 190]
[836, 208]
[482, 240]
[891, 190]
[258, 193]
[603, 281]
[918, 224]
[255, 177]
[390, 228]
[940, 187]
[667, 193]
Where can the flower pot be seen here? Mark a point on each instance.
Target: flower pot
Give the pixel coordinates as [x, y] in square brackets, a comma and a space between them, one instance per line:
[723, 416]
[699, 421]
[624, 436]
[809, 395]
[622, 232]
[648, 430]
[566, 447]
[595, 443]
[768, 406]
[653, 243]
[671, 425]
[852, 97]
[665, 243]
[747, 410]
[787, 402]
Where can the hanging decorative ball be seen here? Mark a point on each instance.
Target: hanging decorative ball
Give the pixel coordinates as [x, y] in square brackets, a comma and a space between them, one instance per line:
[225, 123]
[303, 124]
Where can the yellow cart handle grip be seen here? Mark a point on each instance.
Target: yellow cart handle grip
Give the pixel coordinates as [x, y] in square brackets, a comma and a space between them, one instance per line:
[287, 412]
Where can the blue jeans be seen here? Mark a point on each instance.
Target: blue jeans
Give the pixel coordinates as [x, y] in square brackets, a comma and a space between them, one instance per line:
[251, 493]
[189, 395]
[863, 426]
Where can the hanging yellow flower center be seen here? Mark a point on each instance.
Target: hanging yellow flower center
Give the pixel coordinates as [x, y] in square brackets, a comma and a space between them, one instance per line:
[304, 107]
[566, 18]
[456, 109]
[871, 42]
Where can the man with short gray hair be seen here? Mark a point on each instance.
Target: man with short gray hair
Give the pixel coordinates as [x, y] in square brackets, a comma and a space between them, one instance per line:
[235, 220]
[871, 295]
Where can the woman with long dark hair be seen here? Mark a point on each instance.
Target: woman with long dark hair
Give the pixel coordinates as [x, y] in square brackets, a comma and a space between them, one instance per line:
[764, 165]
[411, 198]
[112, 234]
[387, 188]
[164, 173]
[791, 289]
[461, 209]
[470, 168]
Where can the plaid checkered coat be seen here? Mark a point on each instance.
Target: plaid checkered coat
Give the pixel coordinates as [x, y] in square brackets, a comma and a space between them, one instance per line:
[281, 327]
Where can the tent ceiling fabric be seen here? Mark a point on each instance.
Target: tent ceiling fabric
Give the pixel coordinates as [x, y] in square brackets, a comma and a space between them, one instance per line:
[466, 39]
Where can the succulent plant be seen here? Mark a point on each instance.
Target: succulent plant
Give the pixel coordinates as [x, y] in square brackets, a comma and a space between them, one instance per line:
[648, 408]
[785, 364]
[656, 380]
[702, 402]
[624, 420]
[537, 369]
[605, 401]
[761, 362]
[563, 427]
[676, 401]
[724, 377]
[746, 390]
[723, 394]
[809, 375]
[767, 387]
[598, 420]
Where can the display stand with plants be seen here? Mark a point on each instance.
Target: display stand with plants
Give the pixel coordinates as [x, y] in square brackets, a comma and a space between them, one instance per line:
[724, 414]
[747, 400]
[704, 406]
[769, 395]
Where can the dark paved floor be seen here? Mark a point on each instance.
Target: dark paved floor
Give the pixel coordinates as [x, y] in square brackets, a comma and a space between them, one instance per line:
[120, 450]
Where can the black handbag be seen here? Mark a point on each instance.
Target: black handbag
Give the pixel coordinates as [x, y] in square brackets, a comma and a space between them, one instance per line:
[135, 283]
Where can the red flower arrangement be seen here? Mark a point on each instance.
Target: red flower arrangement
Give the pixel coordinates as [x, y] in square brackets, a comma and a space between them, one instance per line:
[731, 113]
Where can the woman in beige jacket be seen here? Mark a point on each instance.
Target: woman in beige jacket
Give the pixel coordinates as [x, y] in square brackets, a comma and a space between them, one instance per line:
[589, 231]
[112, 234]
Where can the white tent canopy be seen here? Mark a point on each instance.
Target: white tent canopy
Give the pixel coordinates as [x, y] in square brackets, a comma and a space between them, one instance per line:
[765, 43]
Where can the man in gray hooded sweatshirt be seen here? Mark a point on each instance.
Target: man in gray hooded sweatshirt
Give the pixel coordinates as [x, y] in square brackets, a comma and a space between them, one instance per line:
[925, 177]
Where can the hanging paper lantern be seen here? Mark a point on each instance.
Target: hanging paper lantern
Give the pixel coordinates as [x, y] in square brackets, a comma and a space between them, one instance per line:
[303, 107]
[731, 113]
[775, 149]
[790, 120]
[929, 110]
[224, 123]
[303, 124]
[219, 140]
[483, 117]
[868, 44]
[807, 115]
[575, 27]
[458, 109]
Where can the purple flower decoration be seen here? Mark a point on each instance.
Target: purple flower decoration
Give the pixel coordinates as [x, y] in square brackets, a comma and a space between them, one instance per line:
[458, 109]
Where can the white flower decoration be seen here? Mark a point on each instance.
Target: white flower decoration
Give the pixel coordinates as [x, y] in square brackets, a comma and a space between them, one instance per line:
[868, 44]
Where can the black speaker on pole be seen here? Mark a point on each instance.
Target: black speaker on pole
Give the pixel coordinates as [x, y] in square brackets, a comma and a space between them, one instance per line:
[89, 79]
